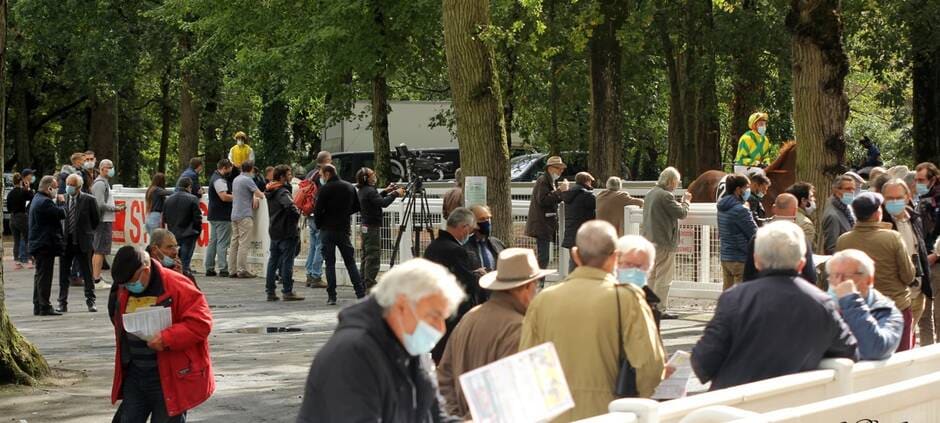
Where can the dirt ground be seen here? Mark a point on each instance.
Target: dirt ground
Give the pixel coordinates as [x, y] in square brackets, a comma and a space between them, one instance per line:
[259, 376]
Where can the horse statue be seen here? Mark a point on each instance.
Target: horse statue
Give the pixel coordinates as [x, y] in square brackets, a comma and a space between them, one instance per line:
[782, 174]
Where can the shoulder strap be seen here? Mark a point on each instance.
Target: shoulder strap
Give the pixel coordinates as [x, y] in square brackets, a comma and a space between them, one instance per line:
[623, 354]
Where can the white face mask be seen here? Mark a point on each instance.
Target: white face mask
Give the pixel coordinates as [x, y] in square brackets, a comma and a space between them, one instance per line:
[241, 142]
[811, 208]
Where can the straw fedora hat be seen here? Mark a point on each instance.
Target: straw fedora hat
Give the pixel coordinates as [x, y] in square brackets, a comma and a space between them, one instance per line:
[555, 161]
[516, 267]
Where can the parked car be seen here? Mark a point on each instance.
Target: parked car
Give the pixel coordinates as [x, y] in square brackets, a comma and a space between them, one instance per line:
[528, 167]
[435, 164]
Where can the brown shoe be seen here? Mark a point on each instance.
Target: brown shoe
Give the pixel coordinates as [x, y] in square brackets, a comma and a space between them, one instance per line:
[273, 297]
[290, 296]
[246, 275]
[317, 283]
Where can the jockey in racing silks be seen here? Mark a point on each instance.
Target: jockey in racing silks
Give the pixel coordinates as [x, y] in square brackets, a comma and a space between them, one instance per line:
[753, 147]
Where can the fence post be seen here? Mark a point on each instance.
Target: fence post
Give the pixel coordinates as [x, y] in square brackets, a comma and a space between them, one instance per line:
[705, 252]
[562, 253]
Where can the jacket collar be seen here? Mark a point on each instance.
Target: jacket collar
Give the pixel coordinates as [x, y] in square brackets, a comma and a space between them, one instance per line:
[871, 226]
[592, 274]
[446, 235]
[505, 300]
[779, 272]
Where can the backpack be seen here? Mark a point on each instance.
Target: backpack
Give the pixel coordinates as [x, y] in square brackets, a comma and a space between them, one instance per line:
[306, 197]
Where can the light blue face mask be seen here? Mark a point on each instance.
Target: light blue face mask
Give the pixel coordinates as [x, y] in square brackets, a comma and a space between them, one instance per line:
[835, 298]
[111, 172]
[762, 130]
[70, 190]
[894, 207]
[423, 339]
[922, 189]
[135, 287]
[167, 262]
[635, 276]
[322, 181]
[848, 198]
[747, 194]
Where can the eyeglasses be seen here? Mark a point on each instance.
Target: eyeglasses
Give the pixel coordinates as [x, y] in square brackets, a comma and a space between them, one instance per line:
[844, 276]
[171, 247]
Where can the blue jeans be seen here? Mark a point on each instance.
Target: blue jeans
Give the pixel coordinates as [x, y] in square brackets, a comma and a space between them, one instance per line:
[281, 261]
[314, 264]
[220, 236]
[143, 397]
[331, 240]
[187, 248]
[154, 221]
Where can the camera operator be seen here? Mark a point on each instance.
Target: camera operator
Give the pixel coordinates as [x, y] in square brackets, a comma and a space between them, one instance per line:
[371, 203]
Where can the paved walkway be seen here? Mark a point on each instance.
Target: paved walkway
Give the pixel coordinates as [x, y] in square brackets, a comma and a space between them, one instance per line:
[259, 376]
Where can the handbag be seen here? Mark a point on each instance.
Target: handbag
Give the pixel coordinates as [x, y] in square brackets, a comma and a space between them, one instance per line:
[625, 386]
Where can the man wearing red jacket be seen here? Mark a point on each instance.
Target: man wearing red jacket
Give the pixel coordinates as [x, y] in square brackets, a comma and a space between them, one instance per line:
[171, 373]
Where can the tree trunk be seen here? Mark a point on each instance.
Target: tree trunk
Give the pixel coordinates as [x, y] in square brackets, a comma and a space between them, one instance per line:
[605, 153]
[166, 110]
[926, 86]
[481, 131]
[189, 122]
[101, 127]
[554, 93]
[21, 133]
[381, 144]
[272, 149]
[820, 105]
[20, 361]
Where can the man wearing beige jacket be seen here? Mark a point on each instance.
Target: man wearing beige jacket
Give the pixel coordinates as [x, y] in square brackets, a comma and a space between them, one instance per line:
[580, 317]
[611, 202]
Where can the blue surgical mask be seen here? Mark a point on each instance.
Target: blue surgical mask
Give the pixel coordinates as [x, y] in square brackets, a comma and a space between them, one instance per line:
[922, 189]
[635, 276]
[895, 207]
[70, 190]
[322, 181]
[135, 287]
[465, 240]
[835, 298]
[167, 262]
[848, 198]
[111, 172]
[747, 194]
[762, 130]
[423, 339]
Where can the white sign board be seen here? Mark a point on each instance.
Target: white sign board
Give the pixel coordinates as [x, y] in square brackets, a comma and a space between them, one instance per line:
[474, 190]
[529, 386]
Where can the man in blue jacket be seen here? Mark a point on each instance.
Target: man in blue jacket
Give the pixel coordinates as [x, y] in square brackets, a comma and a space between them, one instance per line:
[45, 241]
[736, 227]
[874, 320]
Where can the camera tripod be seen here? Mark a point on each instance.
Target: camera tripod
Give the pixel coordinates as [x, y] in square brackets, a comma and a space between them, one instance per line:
[416, 197]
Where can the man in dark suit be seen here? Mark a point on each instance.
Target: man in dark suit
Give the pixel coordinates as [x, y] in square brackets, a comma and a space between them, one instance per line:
[484, 248]
[755, 333]
[81, 220]
[45, 242]
[448, 250]
[336, 201]
[183, 218]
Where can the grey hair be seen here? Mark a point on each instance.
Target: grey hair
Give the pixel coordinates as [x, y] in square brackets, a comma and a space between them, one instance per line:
[866, 266]
[629, 244]
[596, 240]
[779, 245]
[844, 178]
[105, 162]
[899, 171]
[46, 182]
[480, 207]
[159, 235]
[461, 216]
[909, 178]
[75, 177]
[416, 279]
[614, 183]
[896, 181]
[668, 176]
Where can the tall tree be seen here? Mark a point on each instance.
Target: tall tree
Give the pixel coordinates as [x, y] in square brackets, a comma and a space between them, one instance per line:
[20, 361]
[481, 131]
[820, 106]
[923, 16]
[189, 110]
[605, 152]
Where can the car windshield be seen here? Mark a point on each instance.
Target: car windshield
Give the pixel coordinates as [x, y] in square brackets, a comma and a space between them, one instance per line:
[519, 164]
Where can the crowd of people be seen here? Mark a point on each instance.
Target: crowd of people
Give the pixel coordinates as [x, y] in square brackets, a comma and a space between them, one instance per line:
[471, 300]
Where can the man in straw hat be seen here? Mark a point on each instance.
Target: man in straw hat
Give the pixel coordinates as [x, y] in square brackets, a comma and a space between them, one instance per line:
[542, 223]
[490, 331]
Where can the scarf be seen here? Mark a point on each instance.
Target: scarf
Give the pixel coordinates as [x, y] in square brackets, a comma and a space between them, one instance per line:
[837, 203]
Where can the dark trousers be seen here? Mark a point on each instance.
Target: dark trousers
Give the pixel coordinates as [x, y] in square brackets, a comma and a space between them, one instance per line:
[281, 262]
[20, 228]
[143, 397]
[543, 249]
[42, 280]
[371, 254]
[187, 248]
[329, 242]
[73, 254]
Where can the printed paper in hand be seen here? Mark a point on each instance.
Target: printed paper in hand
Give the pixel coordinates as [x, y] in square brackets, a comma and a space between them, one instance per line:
[525, 387]
[677, 385]
[146, 323]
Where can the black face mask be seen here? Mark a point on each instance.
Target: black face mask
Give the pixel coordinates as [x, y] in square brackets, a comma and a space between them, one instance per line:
[484, 227]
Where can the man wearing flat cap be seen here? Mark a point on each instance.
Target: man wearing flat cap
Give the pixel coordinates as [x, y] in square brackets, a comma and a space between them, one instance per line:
[170, 373]
[894, 270]
[492, 330]
[542, 223]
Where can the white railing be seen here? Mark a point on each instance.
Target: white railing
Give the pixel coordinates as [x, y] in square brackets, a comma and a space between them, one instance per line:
[836, 378]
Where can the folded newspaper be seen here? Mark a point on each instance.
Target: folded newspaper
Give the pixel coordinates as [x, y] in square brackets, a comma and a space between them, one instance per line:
[146, 323]
[681, 382]
[528, 386]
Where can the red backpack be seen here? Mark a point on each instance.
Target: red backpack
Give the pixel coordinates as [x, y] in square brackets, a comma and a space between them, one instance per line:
[306, 198]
